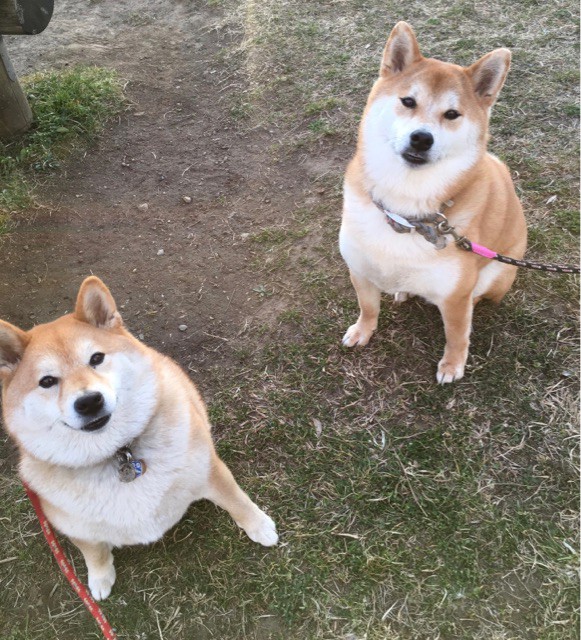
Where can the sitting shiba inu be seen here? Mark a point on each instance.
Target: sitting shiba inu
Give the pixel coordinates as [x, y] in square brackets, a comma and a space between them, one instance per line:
[422, 146]
[112, 435]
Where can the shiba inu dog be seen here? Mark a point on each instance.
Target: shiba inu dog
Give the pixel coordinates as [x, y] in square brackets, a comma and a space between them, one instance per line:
[422, 143]
[112, 435]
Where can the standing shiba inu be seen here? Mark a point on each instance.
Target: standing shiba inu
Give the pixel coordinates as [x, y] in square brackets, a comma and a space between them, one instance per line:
[422, 143]
[112, 435]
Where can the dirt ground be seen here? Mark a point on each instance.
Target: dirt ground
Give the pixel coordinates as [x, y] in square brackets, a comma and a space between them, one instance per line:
[118, 211]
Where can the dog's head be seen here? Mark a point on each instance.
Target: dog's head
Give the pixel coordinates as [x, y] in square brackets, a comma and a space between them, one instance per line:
[424, 113]
[77, 389]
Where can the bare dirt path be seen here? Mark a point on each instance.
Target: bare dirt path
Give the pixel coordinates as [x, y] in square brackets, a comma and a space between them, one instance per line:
[118, 210]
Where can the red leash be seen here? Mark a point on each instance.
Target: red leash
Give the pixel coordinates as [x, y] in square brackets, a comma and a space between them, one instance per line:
[66, 568]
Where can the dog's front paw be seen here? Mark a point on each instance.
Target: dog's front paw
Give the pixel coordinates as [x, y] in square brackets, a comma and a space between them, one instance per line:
[100, 584]
[357, 335]
[262, 530]
[449, 371]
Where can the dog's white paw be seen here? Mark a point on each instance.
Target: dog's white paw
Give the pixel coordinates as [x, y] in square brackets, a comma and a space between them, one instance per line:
[357, 336]
[448, 372]
[262, 530]
[101, 584]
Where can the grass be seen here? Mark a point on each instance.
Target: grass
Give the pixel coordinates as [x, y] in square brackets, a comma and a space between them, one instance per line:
[69, 109]
[406, 510]
[420, 507]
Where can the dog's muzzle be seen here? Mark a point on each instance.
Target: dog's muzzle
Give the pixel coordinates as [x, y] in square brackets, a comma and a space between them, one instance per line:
[418, 151]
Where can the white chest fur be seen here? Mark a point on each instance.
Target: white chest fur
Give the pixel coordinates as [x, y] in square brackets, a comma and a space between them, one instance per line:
[394, 261]
[93, 504]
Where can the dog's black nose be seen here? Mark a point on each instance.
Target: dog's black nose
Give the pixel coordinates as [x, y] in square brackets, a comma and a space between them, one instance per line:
[421, 140]
[89, 404]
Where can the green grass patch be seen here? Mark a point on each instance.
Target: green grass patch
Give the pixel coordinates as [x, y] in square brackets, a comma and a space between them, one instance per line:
[327, 104]
[569, 219]
[322, 126]
[70, 109]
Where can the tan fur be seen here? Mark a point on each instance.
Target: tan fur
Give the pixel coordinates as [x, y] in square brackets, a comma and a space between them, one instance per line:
[156, 410]
[486, 208]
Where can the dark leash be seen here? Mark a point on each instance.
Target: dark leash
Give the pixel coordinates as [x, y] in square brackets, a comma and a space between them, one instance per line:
[434, 227]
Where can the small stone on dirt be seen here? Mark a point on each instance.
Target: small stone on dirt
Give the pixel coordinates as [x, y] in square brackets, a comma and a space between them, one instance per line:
[143, 207]
[160, 252]
[187, 199]
[183, 327]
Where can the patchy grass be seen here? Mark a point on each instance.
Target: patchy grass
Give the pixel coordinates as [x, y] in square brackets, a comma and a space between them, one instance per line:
[69, 109]
[406, 510]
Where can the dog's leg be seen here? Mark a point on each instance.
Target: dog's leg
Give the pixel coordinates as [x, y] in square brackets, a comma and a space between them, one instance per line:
[99, 561]
[369, 297]
[457, 315]
[499, 288]
[224, 491]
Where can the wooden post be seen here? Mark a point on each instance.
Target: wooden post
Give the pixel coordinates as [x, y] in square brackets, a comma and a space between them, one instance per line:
[18, 17]
[15, 113]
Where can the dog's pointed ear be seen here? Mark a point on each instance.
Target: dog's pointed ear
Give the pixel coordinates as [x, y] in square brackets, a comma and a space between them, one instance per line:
[95, 305]
[400, 51]
[13, 341]
[488, 75]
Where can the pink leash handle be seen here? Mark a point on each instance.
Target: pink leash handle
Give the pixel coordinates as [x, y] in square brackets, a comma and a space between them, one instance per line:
[483, 251]
[66, 568]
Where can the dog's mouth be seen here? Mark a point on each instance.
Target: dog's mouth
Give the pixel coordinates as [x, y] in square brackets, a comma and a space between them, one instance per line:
[97, 424]
[415, 159]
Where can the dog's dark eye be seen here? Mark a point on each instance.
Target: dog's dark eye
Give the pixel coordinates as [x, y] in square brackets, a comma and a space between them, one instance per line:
[408, 102]
[451, 114]
[96, 359]
[48, 381]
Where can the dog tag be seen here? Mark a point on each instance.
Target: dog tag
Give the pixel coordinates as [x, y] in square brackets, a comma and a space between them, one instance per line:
[127, 472]
[129, 467]
[131, 470]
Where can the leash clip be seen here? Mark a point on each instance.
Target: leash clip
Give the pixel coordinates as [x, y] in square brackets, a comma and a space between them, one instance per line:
[445, 228]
